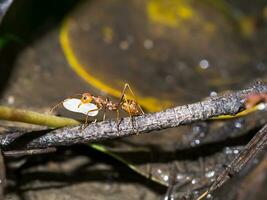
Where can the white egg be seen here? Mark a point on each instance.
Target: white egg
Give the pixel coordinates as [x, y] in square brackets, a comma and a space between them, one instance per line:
[73, 105]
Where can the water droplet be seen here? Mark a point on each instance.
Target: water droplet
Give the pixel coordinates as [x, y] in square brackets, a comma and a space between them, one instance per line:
[228, 150]
[166, 178]
[209, 196]
[197, 141]
[148, 44]
[213, 94]
[236, 151]
[169, 197]
[210, 174]
[194, 181]
[204, 64]
[238, 124]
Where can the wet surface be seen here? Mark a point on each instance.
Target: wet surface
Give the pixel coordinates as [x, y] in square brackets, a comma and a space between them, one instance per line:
[168, 58]
[75, 173]
[175, 57]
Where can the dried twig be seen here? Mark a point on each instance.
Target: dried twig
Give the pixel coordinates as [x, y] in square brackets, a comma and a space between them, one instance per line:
[256, 144]
[228, 104]
[28, 152]
[2, 175]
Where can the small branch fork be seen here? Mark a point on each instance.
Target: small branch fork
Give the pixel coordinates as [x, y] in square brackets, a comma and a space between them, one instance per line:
[228, 104]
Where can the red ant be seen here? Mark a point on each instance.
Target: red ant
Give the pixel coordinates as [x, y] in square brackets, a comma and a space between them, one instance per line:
[89, 105]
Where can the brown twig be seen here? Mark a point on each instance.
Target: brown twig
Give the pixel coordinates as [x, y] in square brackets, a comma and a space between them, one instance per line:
[2, 175]
[256, 144]
[228, 104]
[28, 152]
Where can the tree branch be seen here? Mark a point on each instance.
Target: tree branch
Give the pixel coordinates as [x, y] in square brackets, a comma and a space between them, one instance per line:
[228, 104]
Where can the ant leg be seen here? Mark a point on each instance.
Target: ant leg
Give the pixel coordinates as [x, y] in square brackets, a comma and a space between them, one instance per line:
[83, 126]
[137, 129]
[132, 121]
[127, 86]
[55, 106]
[104, 115]
[117, 120]
[122, 94]
[86, 118]
[131, 116]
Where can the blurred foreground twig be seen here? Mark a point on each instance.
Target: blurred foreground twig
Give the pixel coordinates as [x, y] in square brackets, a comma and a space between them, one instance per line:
[256, 144]
[19, 115]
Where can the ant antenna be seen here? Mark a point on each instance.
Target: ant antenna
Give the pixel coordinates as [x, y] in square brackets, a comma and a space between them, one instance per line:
[55, 106]
[79, 94]
[58, 104]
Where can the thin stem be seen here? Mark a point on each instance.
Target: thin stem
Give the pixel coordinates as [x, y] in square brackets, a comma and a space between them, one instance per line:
[255, 145]
[28, 152]
[19, 115]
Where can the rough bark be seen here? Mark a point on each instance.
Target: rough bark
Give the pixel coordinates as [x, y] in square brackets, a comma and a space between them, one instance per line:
[227, 104]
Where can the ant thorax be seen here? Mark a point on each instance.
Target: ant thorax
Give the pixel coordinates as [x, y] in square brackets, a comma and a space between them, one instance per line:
[111, 106]
[99, 101]
[105, 103]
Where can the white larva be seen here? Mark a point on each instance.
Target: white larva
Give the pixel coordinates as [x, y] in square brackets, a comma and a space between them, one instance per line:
[75, 105]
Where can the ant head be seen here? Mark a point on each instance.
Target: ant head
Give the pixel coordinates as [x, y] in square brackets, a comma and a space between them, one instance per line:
[86, 98]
